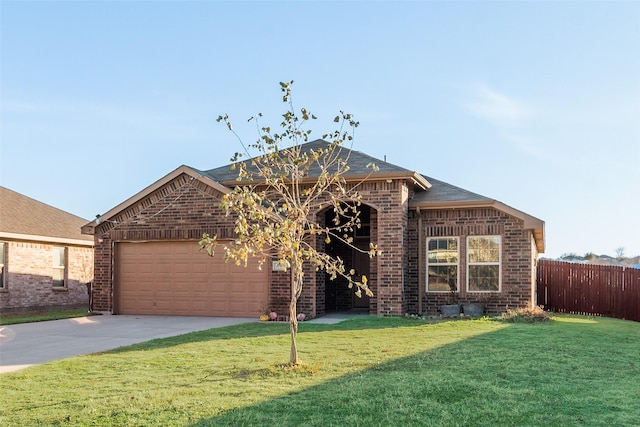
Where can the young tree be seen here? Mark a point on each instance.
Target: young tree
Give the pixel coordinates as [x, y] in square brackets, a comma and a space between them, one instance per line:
[280, 191]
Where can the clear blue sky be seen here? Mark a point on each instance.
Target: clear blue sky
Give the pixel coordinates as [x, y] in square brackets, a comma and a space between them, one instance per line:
[535, 104]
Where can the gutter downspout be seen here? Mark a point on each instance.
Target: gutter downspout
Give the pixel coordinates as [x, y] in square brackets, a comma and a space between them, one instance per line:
[420, 262]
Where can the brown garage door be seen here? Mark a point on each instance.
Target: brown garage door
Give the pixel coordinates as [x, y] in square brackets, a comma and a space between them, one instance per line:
[175, 278]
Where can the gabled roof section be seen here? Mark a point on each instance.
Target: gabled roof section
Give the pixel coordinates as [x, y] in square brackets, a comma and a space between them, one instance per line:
[443, 195]
[192, 172]
[24, 218]
[357, 162]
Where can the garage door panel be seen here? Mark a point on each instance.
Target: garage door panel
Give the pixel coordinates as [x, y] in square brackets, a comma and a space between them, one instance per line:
[175, 278]
[200, 305]
[181, 267]
[163, 306]
[142, 267]
[182, 306]
[162, 267]
[237, 288]
[217, 295]
[200, 268]
[218, 307]
[165, 294]
[140, 306]
[200, 287]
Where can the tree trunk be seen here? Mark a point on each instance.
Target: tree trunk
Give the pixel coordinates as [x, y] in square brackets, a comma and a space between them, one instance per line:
[293, 326]
[297, 275]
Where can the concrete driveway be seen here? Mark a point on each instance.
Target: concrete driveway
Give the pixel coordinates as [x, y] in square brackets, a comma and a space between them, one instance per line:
[28, 344]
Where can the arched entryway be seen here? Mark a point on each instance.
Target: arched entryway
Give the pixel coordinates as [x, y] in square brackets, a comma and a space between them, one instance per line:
[335, 295]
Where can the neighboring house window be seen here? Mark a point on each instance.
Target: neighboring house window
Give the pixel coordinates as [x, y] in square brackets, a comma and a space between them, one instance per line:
[3, 265]
[59, 266]
[483, 267]
[442, 264]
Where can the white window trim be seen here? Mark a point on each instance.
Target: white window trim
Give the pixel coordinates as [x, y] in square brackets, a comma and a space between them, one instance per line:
[64, 268]
[499, 263]
[457, 264]
[3, 262]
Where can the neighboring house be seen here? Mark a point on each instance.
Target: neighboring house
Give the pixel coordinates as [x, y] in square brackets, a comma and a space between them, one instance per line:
[433, 235]
[45, 261]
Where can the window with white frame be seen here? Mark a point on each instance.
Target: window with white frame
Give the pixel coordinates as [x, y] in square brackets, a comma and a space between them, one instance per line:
[483, 263]
[59, 266]
[442, 264]
[3, 265]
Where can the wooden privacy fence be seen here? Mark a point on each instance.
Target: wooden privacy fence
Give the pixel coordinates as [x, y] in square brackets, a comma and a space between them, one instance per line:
[600, 290]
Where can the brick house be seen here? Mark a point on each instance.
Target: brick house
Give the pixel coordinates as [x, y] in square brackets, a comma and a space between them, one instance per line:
[45, 261]
[435, 237]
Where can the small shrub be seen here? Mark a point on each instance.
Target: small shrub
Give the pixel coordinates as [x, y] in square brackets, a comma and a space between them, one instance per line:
[528, 315]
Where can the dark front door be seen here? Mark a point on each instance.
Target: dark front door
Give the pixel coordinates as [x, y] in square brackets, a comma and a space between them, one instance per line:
[361, 262]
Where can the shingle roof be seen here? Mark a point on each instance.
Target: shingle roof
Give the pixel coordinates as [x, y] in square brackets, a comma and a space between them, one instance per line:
[430, 193]
[441, 192]
[443, 195]
[22, 215]
[358, 162]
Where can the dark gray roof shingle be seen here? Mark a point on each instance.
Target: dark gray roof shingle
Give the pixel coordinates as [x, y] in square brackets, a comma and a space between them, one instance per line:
[20, 214]
[358, 162]
[441, 192]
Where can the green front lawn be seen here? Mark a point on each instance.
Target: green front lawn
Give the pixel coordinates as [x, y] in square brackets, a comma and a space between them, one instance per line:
[40, 316]
[573, 371]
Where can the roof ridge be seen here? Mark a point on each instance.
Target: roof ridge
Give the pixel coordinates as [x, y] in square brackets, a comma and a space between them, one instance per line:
[357, 162]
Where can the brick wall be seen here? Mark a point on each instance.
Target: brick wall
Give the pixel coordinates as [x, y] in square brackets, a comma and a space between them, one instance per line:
[518, 257]
[388, 202]
[29, 282]
[389, 219]
[185, 208]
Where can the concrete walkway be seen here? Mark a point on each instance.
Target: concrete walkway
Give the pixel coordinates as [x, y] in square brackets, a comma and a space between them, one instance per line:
[333, 318]
[28, 344]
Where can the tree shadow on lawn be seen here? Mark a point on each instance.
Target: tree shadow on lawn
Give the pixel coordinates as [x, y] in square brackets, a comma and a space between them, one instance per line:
[522, 374]
[264, 329]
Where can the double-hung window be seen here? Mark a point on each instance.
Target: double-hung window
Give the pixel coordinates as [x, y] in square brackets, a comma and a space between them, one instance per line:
[59, 266]
[3, 265]
[442, 264]
[483, 263]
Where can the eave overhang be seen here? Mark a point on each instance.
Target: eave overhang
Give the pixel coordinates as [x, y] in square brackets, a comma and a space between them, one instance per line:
[415, 178]
[45, 239]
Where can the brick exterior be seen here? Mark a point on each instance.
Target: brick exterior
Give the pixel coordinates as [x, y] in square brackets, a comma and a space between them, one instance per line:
[185, 208]
[389, 231]
[29, 282]
[518, 258]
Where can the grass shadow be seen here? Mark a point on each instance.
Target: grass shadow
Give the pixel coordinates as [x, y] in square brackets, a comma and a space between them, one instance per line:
[560, 374]
[378, 371]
